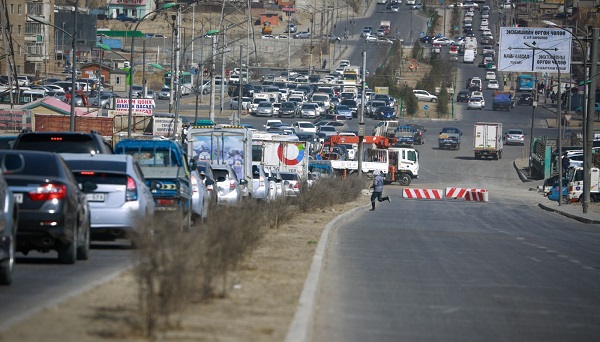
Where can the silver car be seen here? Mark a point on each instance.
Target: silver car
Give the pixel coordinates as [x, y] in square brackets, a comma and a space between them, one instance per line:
[229, 187]
[264, 108]
[309, 110]
[200, 197]
[291, 183]
[121, 204]
[262, 185]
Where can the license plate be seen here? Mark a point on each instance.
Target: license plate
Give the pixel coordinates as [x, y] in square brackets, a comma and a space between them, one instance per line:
[95, 197]
[18, 198]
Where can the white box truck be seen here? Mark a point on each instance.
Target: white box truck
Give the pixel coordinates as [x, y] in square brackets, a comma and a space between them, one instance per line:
[487, 140]
[469, 56]
[284, 156]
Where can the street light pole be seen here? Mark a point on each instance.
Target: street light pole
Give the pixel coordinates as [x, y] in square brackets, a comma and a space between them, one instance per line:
[132, 65]
[559, 121]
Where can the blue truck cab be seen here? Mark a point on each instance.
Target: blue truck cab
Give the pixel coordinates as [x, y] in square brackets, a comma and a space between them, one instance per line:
[167, 173]
[405, 136]
[449, 138]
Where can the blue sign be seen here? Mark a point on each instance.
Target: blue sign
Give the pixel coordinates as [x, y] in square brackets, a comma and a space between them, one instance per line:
[441, 2]
[422, 33]
[426, 107]
[439, 34]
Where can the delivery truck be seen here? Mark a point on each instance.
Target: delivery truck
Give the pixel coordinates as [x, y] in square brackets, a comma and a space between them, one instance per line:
[487, 140]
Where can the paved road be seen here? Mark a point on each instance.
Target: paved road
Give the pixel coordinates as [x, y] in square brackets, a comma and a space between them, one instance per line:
[462, 271]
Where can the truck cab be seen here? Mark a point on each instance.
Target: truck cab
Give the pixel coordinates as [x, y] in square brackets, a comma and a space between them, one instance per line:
[167, 173]
[403, 165]
[449, 138]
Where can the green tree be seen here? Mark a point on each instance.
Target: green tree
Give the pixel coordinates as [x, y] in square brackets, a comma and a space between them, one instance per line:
[442, 104]
[416, 50]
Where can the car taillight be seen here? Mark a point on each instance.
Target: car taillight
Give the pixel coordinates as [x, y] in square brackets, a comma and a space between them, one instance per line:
[297, 186]
[231, 185]
[209, 187]
[261, 181]
[131, 191]
[49, 192]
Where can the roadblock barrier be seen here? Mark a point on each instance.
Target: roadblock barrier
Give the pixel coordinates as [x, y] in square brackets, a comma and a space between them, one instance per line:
[423, 193]
[461, 192]
[476, 196]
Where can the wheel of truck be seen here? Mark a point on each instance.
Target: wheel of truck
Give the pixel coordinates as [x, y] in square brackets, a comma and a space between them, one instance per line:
[499, 155]
[404, 179]
[477, 156]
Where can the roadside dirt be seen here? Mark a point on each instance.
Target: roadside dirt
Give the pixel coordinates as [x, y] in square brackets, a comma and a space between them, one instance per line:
[259, 306]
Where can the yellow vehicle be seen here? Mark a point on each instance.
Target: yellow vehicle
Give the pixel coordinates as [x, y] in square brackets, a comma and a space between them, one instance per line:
[267, 28]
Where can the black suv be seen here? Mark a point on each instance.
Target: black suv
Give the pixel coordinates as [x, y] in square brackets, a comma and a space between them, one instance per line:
[63, 142]
[525, 99]
[463, 96]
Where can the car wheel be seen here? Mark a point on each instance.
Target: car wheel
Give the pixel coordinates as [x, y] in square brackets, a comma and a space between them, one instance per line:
[6, 267]
[433, 100]
[83, 252]
[67, 252]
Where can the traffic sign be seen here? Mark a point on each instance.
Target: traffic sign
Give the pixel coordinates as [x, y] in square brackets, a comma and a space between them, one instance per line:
[426, 107]
[522, 49]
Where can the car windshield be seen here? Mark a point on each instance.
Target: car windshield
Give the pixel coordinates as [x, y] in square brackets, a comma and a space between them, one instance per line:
[514, 131]
[264, 104]
[309, 106]
[327, 129]
[343, 107]
[305, 125]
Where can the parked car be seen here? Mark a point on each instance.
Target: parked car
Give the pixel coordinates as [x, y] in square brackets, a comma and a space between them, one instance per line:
[423, 95]
[53, 212]
[514, 136]
[228, 185]
[105, 101]
[302, 35]
[121, 203]
[290, 28]
[8, 226]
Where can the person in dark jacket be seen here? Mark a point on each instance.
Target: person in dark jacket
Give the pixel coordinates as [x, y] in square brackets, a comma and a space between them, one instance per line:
[377, 187]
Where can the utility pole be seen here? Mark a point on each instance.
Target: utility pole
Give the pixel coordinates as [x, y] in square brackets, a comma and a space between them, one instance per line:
[223, 80]
[143, 69]
[211, 113]
[177, 76]
[589, 128]
[241, 85]
[361, 116]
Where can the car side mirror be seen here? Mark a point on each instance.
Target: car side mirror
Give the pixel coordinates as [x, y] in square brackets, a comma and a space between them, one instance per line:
[243, 182]
[209, 181]
[193, 164]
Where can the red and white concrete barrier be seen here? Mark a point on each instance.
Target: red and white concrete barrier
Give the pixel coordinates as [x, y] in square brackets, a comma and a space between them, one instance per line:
[476, 196]
[461, 192]
[423, 193]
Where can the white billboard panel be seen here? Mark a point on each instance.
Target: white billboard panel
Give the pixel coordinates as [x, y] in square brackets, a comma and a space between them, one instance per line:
[522, 49]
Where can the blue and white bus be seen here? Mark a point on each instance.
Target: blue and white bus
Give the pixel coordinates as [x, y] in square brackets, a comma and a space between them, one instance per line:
[187, 82]
[525, 83]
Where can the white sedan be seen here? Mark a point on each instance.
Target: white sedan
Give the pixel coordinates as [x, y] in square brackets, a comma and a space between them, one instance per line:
[490, 75]
[304, 126]
[493, 84]
[443, 41]
[476, 103]
[371, 39]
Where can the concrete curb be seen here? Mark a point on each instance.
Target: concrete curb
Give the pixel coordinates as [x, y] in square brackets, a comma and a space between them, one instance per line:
[300, 329]
[575, 217]
[521, 174]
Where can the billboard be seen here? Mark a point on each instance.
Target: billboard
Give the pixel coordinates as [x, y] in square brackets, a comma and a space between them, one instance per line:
[528, 49]
[140, 106]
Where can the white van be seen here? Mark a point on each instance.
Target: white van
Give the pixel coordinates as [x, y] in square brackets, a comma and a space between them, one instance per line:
[469, 56]
[385, 128]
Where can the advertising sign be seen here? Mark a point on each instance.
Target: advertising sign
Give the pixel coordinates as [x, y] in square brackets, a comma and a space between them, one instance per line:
[13, 119]
[220, 149]
[140, 106]
[534, 49]
[162, 126]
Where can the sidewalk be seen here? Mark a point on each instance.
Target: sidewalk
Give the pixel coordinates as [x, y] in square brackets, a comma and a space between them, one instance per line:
[571, 210]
